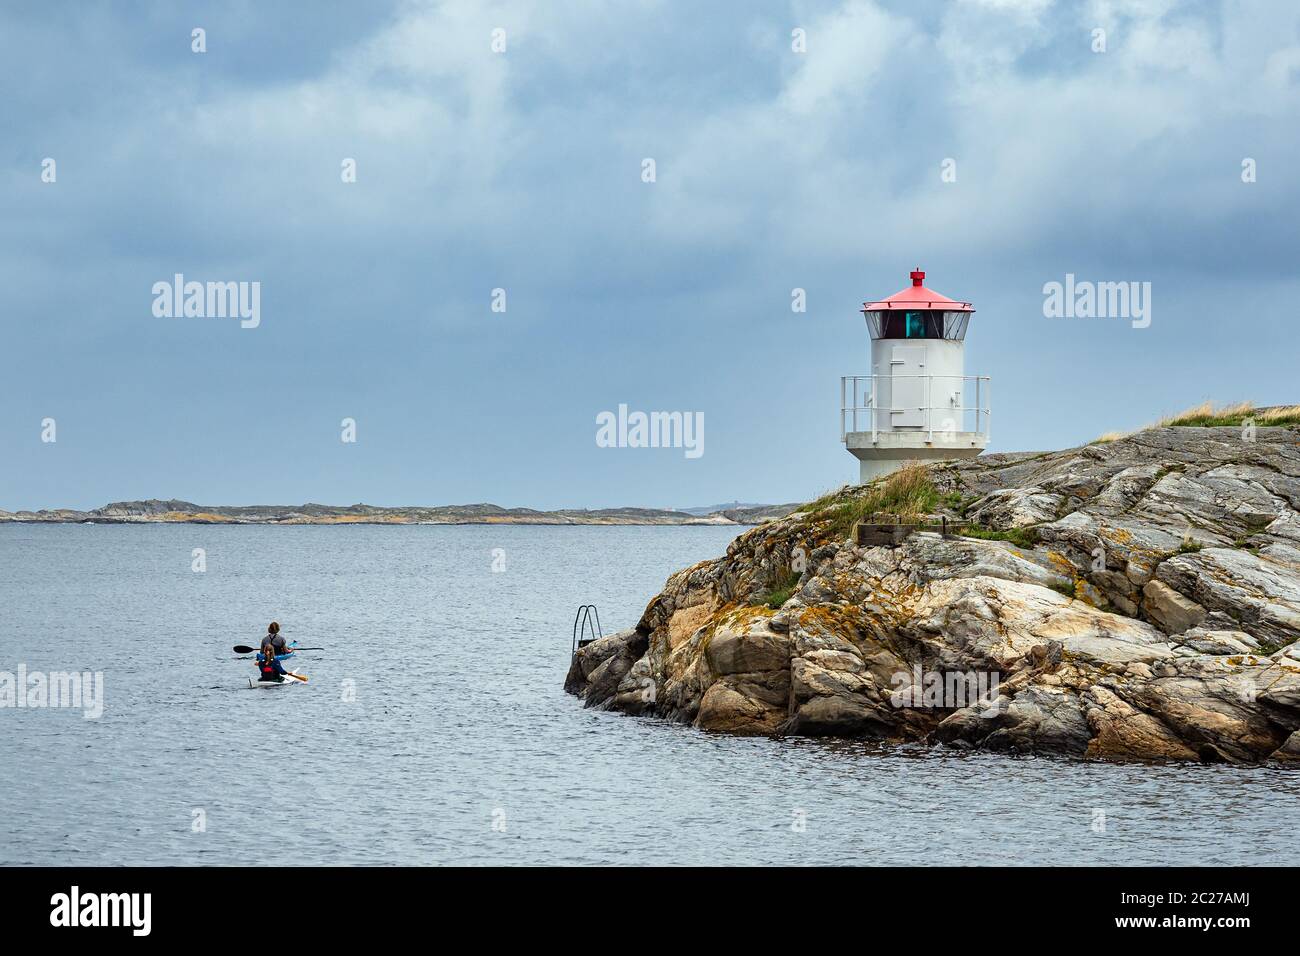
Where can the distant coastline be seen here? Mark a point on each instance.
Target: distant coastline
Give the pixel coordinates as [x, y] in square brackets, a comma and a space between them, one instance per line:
[155, 511]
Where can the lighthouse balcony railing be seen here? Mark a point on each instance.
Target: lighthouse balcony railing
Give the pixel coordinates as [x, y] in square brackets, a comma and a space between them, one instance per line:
[862, 404]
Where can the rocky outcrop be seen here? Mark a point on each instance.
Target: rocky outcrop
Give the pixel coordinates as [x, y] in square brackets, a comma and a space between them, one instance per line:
[1144, 608]
[599, 668]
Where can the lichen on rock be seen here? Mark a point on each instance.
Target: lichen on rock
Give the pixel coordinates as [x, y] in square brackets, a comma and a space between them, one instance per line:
[1134, 600]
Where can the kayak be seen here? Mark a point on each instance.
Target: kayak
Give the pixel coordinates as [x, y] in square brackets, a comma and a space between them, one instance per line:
[269, 684]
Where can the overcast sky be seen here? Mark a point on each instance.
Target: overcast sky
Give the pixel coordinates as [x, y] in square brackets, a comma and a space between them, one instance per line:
[522, 170]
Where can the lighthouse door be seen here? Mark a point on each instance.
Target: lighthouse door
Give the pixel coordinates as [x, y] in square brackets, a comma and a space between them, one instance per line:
[907, 387]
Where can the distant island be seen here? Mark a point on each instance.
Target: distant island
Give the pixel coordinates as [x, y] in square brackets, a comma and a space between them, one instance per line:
[155, 511]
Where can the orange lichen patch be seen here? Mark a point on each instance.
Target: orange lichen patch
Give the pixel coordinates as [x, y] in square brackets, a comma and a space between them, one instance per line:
[1088, 593]
[685, 622]
[842, 622]
[1062, 562]
[689, 642]
[1218, 575]
[897, 604]
[1245, 660]
[1084, 590]
[725, 609]
[1146, 558]
[847, 582]
[1118, 535]
[742, 617]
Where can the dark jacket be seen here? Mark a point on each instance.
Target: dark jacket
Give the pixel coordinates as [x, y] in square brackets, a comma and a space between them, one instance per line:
[271, 669]
[275, 641]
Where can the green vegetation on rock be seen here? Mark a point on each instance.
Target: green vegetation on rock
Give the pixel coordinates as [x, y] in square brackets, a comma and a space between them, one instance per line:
[908, 493]
[787, 581]
[1207, 415]
[1020, 537]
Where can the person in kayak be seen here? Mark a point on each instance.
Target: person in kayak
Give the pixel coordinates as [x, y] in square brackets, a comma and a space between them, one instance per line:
[269, 669]
[274, 642]
[272, 645]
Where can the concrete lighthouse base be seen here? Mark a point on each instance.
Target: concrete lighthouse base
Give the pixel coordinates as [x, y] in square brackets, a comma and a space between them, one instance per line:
[891, 450]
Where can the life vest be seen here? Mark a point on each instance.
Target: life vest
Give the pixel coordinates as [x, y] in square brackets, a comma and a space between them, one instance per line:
[266, 667]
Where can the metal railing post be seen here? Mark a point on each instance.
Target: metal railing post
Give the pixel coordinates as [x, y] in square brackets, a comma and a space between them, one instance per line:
[875, 408]
[841, 407]
[929, 408]
[988, 397]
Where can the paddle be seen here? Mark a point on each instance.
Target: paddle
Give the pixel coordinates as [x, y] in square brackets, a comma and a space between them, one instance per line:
[301, 677]
[245, 649]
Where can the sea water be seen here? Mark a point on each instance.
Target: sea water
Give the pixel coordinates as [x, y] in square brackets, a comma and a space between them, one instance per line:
[434, 728]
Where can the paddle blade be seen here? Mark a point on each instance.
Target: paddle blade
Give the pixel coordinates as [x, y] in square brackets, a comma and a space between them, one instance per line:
[244, 649]
[297, 676]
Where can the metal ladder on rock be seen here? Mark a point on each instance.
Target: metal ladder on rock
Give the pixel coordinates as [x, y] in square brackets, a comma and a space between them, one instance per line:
[586, 621]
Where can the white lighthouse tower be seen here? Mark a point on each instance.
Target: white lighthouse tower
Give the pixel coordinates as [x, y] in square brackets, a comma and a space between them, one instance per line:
[918, 403]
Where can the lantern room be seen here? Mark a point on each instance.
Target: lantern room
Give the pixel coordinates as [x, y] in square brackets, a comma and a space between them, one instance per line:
[917, 313]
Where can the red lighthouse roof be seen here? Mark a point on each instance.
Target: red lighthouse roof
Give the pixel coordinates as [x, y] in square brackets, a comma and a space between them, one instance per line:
[915, 297]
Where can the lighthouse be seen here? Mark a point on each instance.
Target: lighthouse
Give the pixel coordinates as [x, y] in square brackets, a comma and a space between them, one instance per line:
[918, 403]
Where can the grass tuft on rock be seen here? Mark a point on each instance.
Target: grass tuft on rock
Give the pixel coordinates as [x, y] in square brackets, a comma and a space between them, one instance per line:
[1108, 437]
[1070, 590]
[908, 493]
[785, 582]
[1206, 415]
[1020, 537]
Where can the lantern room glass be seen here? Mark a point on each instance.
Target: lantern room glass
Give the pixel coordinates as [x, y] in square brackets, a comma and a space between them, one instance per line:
[917, 324]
